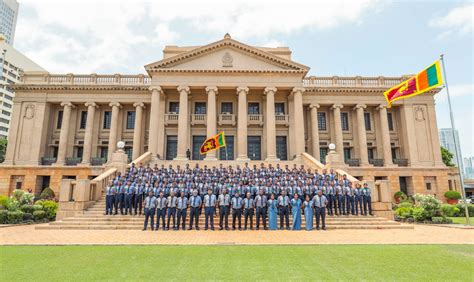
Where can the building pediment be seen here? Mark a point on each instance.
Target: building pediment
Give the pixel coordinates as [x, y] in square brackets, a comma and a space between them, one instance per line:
[226, 55]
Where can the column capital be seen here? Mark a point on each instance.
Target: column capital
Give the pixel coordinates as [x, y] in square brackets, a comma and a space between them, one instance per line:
[115, 104]
[337, 106]
[91, 104]
[381, 107]
[297, 90]
[242, 89]
[269, 89]
[156, 88]
[360, 106]
[67, 104]
[212, 89]
[312, 106]
[139, 104]
[183, 88]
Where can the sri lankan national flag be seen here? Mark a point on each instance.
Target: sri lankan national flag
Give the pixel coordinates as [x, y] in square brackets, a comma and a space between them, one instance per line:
[213, 143]
[426, 80]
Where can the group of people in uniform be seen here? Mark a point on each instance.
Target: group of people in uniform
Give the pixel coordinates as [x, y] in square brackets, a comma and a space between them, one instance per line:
[241, 192]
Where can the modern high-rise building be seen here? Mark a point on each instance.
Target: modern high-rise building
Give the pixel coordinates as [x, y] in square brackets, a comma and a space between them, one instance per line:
[469, 167]
[8, 17]
[447, 141]
[12, 65]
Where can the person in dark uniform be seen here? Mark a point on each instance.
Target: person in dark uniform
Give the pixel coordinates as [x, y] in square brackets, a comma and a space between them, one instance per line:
[224, 205]
[195, 202]
[367, 199]
[139, 199]
[109, 198]
[161, 202]
[150, 205]
[261, 205]
[248, 211]
[283, 202]
[320, 202]
[182, 210]
[209, 208]
[237, 210]
[172, 200]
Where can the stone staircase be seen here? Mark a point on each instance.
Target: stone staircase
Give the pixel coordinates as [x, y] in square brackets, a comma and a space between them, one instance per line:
[94, 219]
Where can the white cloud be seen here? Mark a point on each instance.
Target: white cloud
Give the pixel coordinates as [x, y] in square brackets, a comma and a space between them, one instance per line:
[457, 21]
[457, 90]
[117, 36]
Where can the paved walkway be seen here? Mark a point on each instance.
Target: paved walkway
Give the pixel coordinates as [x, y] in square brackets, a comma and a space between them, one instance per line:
[421, 234]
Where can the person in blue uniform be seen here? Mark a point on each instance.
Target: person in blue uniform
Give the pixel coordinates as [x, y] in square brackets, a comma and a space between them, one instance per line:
[182, 210]
[195, 202]
[320, 202]
[358, 200]
[161, 202]
[296, 212]
[308, 213]
[150, 205]
[139, 199]
[248, 210]
[209, 209]
[283, 203]
[237, 210]
[109, 198]
[261, 207]
[224, 209]
[172, 201]
[367, 199]
[272, 212]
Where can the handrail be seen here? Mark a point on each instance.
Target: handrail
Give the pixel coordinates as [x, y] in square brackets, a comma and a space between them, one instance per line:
[104, 174]
[311, 160]
[141, 159]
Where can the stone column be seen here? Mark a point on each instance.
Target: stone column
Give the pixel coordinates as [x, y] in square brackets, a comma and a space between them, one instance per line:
[183, 120]
[338, 128]
[155, 114]
[113, 129]
[387, 149]
[242, 124]
[315, 131]
[438, 161]
[138, 130]
[64, 135]
[86, 155]
[297, 93]
[270, 125]
[361, 132]
[211, 118]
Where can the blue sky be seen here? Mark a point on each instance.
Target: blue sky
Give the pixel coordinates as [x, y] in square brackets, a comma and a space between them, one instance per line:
[358, 37]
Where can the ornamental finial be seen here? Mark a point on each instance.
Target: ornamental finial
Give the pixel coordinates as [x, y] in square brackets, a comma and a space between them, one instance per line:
[227, 36]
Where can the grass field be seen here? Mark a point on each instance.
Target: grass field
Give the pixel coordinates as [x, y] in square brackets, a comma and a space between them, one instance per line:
[326, 262]
[462, 220]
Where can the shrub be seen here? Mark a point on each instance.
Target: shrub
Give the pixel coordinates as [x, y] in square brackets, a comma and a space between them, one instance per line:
[18, 194]
[3, 216]
[405, 205]
[452, 195]
[403, 212]
[419, 214]
[4, 201]
[400, 195]
[13, 204]
[449, 210]
[14, 217]
[47, 194]
[470, 208]
[428, 203]
[39, 215]
[37, 207]
[27, 216]
[27, 198]
[49, 207]
[441, 220]
[27, 208]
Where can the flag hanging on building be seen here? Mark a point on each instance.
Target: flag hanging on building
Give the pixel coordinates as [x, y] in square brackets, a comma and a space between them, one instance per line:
[424, 81]
[213, 143]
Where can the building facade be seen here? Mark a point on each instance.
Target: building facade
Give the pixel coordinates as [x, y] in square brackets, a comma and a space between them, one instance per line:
[8, 18]
[447, 141]
[67, 125]
[13, 64]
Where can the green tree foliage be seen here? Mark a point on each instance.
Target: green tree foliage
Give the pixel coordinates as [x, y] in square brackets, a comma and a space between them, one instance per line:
[447, 157]
[3, 149]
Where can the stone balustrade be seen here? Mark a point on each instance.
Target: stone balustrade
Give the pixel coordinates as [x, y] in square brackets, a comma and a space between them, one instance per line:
[227, 119]
[336, 81]
[198, 119]
[171, 119]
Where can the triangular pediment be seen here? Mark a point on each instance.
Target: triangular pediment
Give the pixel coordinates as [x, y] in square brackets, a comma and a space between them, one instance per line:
[226, 55]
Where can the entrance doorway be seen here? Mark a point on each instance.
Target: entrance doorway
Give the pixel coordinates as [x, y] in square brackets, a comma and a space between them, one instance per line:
[171, 147]
[254, 147]
[197, 142]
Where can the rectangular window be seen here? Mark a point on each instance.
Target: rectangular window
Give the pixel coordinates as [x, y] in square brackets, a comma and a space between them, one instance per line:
[174, 107]
[104, 151]
[323, 152]
[428, 186]
[79, 151]
[227, 152]
[107, 120]
[82, 125]
[390, 121]
[322, 121]
[370, 153]
[368, 125]
[200, 108]
[129, 152]
[254, 108]
[279, 108]
[347, 154]
[59, 121]
[226, 108]
[394, 153]
[131, 120]
[345, 121]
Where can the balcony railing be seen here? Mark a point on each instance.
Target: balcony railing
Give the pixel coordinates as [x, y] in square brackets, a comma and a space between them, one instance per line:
[401, 162]
[88, 79]
[353, 162]
[227, 119]
[98, 161]
[48, 160]
[376, 162]
[198, 119]
[336, 81]
[281, 119]
[73, 161]
[255, 119]
[171, 119]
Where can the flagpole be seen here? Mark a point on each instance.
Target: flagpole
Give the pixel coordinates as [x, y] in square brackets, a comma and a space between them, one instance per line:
[456, 148]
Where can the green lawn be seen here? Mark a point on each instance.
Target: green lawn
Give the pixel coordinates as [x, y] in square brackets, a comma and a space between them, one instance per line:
[327, 262]
[462, 220]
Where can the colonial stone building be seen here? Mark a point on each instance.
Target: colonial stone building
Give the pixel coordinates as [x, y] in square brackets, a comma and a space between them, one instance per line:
[67, 126]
